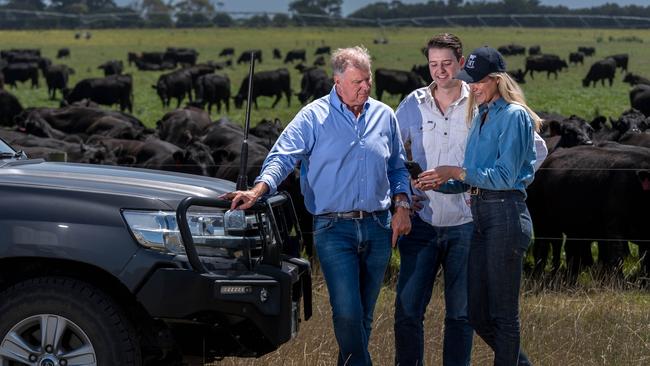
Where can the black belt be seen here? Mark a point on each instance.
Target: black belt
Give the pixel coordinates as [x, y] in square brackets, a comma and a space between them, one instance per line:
[355, 215]
[488, 193]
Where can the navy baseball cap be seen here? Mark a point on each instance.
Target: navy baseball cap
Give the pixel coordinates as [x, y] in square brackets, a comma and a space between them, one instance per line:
[480, 63]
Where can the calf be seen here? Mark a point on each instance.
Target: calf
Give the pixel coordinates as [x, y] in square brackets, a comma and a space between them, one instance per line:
[213, 89]
[266, 83]
[601, 70]
[396, 82]
[295, 55]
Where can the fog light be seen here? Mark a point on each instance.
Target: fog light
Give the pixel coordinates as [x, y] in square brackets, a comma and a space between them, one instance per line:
[235, 290]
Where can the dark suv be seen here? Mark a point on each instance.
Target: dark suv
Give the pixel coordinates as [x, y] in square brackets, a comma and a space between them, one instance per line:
[114, 266]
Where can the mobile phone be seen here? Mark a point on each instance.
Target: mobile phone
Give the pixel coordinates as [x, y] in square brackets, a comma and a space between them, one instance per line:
[414, 168]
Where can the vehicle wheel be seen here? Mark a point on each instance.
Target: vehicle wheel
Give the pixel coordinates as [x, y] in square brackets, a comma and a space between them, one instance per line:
[55, 321]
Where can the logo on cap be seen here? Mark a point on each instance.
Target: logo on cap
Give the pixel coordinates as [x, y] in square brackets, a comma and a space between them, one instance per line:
[470, 61]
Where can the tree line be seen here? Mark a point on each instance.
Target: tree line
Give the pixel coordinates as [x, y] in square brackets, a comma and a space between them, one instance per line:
[43, 14]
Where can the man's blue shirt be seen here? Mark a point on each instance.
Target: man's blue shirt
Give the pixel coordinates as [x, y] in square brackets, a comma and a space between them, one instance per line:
[347, 163]
[501, 154]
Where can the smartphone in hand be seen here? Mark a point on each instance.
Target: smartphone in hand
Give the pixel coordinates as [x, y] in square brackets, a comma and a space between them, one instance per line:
[414, 168]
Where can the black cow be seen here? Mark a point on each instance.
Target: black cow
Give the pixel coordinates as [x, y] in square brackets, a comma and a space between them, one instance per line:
[534, 50]
[76, 152]
[277, 55]
[314, 84]
[112, 67]
[114, 89]
[246, 56]
[268, 131]
[640, 98]
[228, 51]
[319, 61]
[175, 84]
[213, 89]
[567, 132]
[295, 55]
[594, 193]
[634, 79]
[600, 70]
[56, 77]
[63, 52]
[396, 82]
[621, 60]
[518, 76]
[587, 51]
[183, 126]
[512, 49]
[10, 107]
[185, 56]
[21, 72]
[423, 71]
[575, 57]
[548, 63]
[266, 83]
[323, 50]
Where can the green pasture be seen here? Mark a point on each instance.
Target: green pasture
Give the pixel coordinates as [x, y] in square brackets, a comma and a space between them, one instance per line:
[564, 95]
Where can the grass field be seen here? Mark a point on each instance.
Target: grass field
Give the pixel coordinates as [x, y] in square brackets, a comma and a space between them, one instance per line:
[564, 95]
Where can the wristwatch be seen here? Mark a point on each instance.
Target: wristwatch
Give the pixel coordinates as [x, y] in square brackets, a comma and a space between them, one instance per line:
[402, 203]
[462, 175]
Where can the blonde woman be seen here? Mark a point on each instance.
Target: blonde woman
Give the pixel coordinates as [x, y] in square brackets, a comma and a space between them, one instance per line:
[499, 164]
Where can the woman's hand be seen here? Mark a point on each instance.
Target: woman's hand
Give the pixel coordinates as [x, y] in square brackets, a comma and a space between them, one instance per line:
[433, 178]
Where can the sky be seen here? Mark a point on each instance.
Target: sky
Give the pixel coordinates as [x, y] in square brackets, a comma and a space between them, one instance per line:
[351, 5]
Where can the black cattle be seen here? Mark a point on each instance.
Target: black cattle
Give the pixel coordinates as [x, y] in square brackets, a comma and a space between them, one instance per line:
[219, 65]
[512, 49]
[590, 192]
[423, 71]
[246, 56]
[548, 63]
[640, 98]
[183, 126]
[567, 132]
[21, 72]
[63, 52]
[600, 70]
[277, 55]
[10, 107]
[56, 77]
[396, 82]
[575, 57]
[636, 139]
[621, 60]
[175, 84]
[634, 79]
[114, 89]
[266, 83]
[319, 61]
[587, 51]
[534, 50]
[295, 55]
[228, 51]
[112, 67]
[148, 66]
[518, 76]
[314, 84]
[213, 89]
[323, 50]
[185, 56]
[268, 131]
[76, 152]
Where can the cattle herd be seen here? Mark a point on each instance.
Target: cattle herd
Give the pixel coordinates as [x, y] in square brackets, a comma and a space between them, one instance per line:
[594, 185]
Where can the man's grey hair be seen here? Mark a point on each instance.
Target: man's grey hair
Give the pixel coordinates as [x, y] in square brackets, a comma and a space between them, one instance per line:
[357, 57]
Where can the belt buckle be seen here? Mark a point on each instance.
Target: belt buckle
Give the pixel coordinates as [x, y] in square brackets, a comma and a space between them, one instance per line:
[474, 191]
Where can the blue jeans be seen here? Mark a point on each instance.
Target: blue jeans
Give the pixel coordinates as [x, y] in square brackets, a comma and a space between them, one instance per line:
[353, 255]
[502, 233]
[422, 252]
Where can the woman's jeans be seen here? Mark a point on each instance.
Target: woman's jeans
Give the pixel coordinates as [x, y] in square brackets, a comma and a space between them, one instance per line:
[422, 252]
[502, 233]
[353, 255]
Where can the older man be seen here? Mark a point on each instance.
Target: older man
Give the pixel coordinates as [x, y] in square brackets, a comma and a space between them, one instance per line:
[352, 166]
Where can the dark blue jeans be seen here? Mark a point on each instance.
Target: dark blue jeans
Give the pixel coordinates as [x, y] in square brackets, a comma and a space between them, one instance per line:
[422, 252]
[353, 255]
[502, 233]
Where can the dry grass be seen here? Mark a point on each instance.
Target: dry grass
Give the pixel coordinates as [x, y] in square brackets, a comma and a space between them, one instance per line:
[587, 326]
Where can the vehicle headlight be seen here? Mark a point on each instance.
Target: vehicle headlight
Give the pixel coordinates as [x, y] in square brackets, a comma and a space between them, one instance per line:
[159, 230]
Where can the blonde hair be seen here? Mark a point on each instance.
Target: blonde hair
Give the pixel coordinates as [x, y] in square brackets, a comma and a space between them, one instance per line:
[357, 57]
[511, 93]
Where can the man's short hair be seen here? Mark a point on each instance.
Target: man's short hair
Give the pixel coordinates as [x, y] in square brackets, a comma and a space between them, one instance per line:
[445, 40]
[357, 57]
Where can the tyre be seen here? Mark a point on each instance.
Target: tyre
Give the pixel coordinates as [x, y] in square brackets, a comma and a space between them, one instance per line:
[54, 321]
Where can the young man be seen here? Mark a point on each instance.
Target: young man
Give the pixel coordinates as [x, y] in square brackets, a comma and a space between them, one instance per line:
[352, 164]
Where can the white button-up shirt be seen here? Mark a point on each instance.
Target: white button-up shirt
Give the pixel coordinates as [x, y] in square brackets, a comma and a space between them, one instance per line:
[437, 139]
